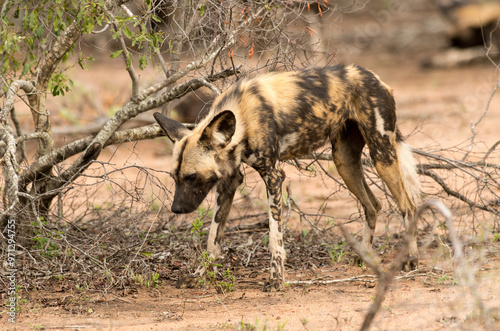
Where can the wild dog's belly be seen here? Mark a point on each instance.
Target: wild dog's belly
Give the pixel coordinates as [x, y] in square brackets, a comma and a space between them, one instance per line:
[300, 143]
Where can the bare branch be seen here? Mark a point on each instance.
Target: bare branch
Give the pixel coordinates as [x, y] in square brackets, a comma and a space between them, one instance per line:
[463, 270]
[14, 88]
[229, 40]
[456, 194]
[422, 272]
[492, 148]
[483, 115]
[386, 276]
[127, 58]
[26, 137]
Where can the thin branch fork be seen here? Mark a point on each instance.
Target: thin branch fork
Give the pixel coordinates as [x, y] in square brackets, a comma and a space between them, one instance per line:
[229, 41]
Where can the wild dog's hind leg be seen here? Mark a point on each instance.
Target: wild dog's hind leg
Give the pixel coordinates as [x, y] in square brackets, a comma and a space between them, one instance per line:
[347, 148]
[385, 157]
[273, 177]
[391, 175]
[224, 196]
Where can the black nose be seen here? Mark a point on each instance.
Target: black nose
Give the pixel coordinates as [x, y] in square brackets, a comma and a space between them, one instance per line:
[177, 209]
[182, 207]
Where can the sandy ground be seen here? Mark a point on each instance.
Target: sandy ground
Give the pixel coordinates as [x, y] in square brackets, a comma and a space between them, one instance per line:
[419, 303]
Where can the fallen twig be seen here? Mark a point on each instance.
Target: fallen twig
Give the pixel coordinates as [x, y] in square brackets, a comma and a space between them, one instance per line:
[366, 278]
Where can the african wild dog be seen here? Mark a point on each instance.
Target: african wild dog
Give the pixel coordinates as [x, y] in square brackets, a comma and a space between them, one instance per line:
[282, 115]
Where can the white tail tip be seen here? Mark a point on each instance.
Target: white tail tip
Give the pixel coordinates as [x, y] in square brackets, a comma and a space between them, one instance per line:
[409, 172]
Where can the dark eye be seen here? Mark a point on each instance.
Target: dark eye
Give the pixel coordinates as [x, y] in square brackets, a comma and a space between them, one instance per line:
[212, 179]
[190, 178]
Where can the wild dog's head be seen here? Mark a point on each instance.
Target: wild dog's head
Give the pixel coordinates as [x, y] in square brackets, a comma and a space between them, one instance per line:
[200, 158]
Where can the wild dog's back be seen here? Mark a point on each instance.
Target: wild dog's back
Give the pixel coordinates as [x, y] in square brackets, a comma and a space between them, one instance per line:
[296, 112]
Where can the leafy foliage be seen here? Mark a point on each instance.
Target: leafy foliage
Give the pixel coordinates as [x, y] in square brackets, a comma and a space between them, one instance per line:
[28, 29]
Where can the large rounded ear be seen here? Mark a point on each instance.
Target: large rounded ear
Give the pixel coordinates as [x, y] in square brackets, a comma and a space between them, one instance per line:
[220, 130]
[174, 130]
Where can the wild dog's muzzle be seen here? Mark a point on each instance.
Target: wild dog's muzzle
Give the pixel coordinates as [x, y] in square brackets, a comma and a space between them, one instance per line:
[187, 198]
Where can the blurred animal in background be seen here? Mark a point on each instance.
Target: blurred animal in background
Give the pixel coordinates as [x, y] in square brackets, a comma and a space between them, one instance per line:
[471, 24]
[472, 30]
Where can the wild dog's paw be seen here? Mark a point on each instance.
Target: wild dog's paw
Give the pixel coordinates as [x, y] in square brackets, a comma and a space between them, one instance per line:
[190, 281]
[273, 285]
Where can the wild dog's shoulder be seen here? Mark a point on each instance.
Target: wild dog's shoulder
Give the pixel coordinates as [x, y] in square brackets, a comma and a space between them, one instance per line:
[237, 92]
[352, 73]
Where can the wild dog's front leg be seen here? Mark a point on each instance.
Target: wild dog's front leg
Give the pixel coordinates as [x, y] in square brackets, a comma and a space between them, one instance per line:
[223, 199]
[274, 178]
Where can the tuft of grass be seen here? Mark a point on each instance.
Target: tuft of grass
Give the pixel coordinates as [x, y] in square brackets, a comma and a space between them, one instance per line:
[223, 283]
[37, 327]
[337, 252]
[496, 237]
[151, 280]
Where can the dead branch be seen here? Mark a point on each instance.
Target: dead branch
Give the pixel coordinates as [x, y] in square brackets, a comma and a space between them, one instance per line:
[463, 270]
[477, 173]
[229, 40]
[386, 276]
[422, 272]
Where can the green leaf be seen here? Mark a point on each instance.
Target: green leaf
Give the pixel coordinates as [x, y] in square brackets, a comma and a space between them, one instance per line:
[155, 18]
[90, 26]
[202, 10]
[26, 68]
[81, 63]
[33, 20]
[116, 34]
[116, 54]
[143, 62]
[127, 32]
[39, 31]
